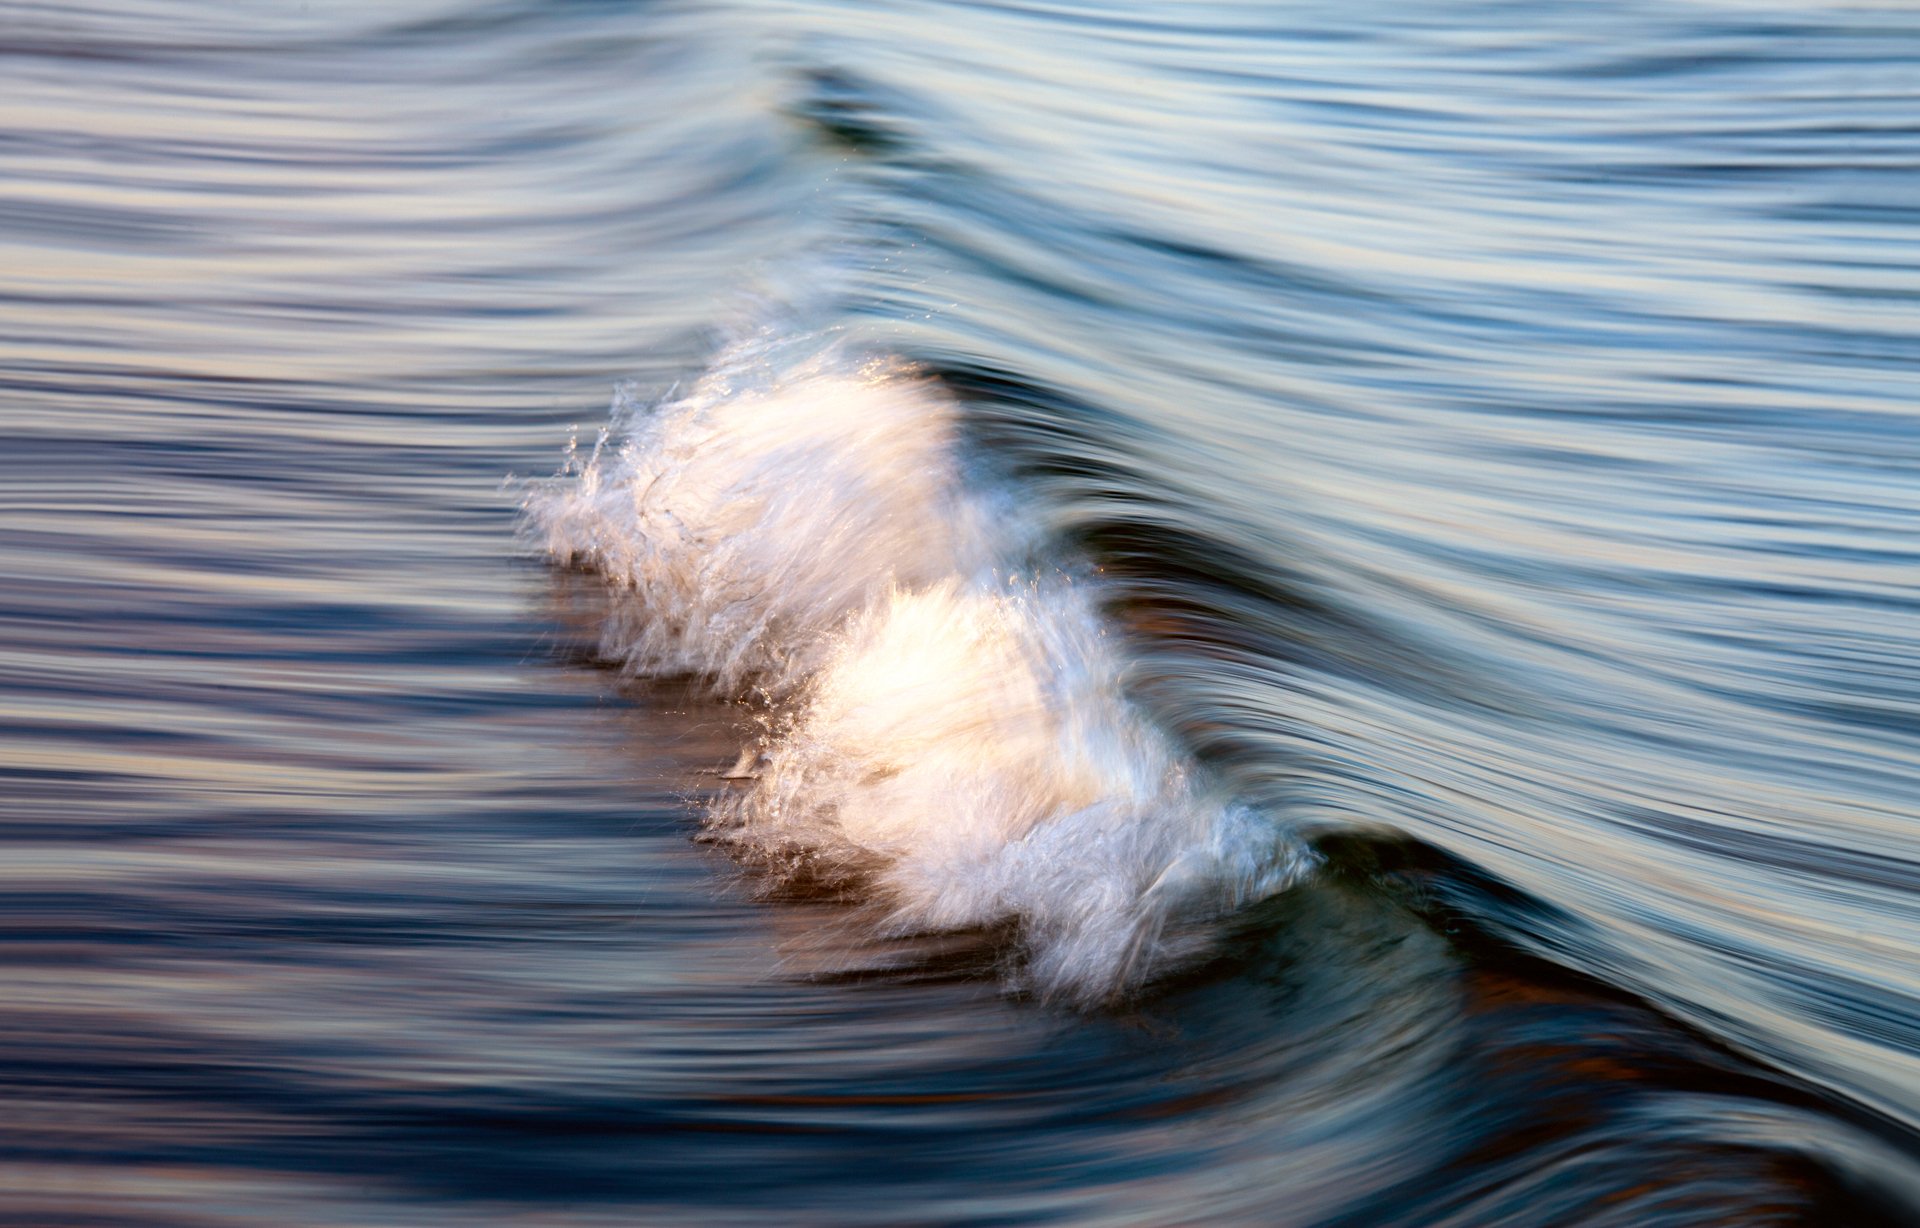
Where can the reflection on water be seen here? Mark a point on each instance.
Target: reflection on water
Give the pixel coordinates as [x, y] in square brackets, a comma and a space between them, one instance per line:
[1496, 426]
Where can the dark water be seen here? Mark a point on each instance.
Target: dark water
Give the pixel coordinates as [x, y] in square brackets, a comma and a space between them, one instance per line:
[1482, 442]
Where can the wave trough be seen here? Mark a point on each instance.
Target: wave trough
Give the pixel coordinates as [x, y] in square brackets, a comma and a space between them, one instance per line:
[947, 718]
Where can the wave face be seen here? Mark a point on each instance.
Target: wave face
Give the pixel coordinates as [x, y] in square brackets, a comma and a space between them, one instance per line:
[1512, 439]
[949, 724]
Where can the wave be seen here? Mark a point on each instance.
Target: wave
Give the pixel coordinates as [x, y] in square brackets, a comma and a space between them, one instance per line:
[948, 723]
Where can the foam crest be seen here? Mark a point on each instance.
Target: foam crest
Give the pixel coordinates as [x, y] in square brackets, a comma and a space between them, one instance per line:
[950, 730]
[752, 515]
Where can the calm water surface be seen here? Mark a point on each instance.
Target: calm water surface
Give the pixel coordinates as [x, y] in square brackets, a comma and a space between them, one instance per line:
[1495, 429]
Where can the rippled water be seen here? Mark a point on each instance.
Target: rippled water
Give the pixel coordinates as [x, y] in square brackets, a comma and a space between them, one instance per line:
[1321, 602]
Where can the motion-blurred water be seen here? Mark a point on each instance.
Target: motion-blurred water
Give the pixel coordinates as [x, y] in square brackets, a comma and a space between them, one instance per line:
[1483, 441]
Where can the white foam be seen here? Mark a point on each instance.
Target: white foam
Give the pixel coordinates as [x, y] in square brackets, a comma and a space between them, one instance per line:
[953, 737]
[752, 515]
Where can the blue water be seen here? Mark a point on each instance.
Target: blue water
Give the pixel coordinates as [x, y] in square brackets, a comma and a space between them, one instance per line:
[1321, 603]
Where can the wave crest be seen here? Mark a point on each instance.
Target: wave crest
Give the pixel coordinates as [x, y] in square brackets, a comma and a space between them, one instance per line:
[951, 726]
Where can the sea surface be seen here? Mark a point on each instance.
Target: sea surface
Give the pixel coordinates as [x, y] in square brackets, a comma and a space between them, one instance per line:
[959, 613]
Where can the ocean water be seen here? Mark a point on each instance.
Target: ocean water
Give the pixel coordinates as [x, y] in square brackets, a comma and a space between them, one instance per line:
[848, 613]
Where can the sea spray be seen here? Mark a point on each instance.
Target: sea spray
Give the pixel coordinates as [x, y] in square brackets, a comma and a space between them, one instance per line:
[948, 726]
[751, 516]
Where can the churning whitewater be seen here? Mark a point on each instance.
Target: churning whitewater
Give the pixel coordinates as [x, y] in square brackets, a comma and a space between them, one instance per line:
[947, 721]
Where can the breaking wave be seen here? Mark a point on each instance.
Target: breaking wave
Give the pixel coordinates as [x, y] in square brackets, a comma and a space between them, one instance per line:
[948, 726]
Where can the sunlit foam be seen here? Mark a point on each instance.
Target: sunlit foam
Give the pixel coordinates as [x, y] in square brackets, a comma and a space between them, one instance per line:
[951, 738]
[751, 516]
